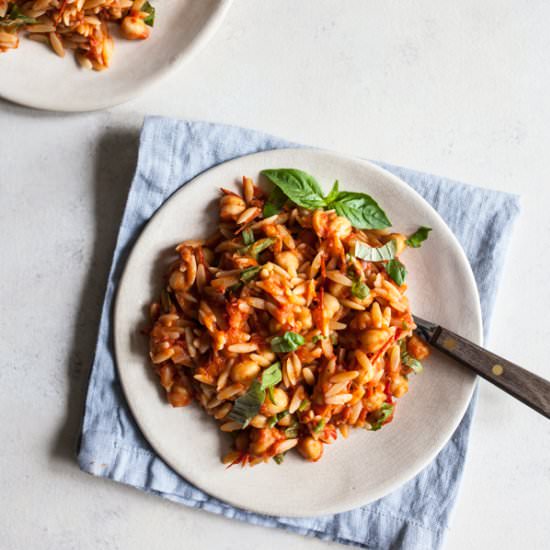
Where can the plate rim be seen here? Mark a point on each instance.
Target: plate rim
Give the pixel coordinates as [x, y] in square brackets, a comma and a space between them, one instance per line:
[200, 40]
[350, 502]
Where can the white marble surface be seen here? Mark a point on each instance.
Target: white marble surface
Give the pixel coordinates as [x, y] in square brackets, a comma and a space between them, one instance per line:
[456, 88]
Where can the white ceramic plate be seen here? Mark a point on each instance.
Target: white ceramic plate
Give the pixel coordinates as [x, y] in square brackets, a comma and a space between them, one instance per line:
[352, 472]
[34, 76]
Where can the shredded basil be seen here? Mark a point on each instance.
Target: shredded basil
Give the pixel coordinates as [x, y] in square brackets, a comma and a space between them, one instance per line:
[289, 341]
[150, 19]
[16, 18]
[396, 270]
[259, 246]
[279, 458]
[375, 254]
[418, 237]
[292, 431]
[316, 338]
[271, 421]
[360, 290]
[320, 426]
[304, 405]
[271, 376]
[409, 361]
[248, 236]
[379, 417]
[271, 394]
[248, 405]
[249, 273]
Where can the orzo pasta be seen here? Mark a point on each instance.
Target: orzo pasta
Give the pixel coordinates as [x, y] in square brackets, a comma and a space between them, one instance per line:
[78, 25]
[290, 323]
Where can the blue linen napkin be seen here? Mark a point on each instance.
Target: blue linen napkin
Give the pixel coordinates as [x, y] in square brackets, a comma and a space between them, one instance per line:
[415, 516]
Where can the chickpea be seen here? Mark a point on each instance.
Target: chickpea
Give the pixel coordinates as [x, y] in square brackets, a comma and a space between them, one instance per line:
[288, 261]
[231, 207]
[134, 28]
[399, 386]
[281, 403]
[319, 222]
[261, 440]
[331, 305]
[418, 348]
[310, 449]
[179, 396]
[372, 340]
[340, 227]
[258, 421]
[304, 316]
[245, 371]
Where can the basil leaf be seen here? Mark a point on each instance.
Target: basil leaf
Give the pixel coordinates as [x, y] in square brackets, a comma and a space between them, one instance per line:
[418, 237]
[320, 426]
[248, 405]
[289, 341]
[248, 236]
[271, 422]
[147, 8]
[409, 361]
[271, 394]
[360, 290]
[250, 273]
[333, 193]
[272, 376]
[275, 202]
[360, 209]
[375, 254]
[300, 187]
[396, 270]
[378, 418]
[279, 458]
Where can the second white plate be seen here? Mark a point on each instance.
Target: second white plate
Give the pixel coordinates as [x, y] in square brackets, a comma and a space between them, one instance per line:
[34, 76]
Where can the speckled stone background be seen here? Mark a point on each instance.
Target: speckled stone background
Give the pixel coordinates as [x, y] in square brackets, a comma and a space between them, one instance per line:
[455, 88]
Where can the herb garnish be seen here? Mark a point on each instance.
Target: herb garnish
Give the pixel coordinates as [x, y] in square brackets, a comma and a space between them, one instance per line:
[378, 418]
[249, 273]
[375, 254]
[248, 405]
[150, 19]
[248, 236]
[409, 361]
[289, 341]
[271, 376]
[16, 18]
[304, 190]
[396, 270]
[418, 237]
[360, 290]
